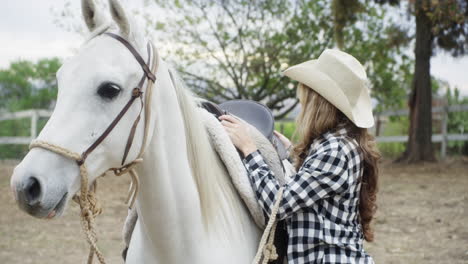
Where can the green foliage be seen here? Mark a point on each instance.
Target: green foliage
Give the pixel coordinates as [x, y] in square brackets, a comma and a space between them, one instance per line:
[457, 121]
[237, 49]
[449, 22]
[345, 13]
[391, 150]
[381, 46]
[242, 46]
[25, 85]
[439, 25]
[17, 128]
[286, 128]
[395, 126]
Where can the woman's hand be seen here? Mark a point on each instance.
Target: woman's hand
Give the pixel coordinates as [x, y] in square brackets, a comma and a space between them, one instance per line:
[286, 142]
[238, 132]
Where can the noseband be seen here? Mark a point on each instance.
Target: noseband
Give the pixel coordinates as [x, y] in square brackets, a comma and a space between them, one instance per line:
[87, 200]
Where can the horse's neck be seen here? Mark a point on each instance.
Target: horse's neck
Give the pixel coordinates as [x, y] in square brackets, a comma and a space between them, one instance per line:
[171, 224]
[168, 196]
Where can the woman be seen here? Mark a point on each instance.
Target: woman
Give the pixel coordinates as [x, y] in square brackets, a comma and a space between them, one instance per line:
[329, 204]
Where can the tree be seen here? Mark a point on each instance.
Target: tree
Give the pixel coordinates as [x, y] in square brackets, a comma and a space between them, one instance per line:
[26, 85]
[382, 49]
[278, 34]
[345, 13]
[440, 25]
[237, 49]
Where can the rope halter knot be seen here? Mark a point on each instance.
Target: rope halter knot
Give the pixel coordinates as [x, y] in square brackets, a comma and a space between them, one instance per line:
[269, 252]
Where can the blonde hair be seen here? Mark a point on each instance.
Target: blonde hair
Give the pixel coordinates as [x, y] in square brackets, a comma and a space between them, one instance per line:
[318, 116]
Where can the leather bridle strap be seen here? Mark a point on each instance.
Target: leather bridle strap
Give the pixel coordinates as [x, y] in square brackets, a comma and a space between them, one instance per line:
[87, 199]
[135, 53]
[136, 93]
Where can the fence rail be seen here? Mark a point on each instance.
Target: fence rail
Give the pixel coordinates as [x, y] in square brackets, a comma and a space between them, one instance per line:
[34, 114]
[444, 137]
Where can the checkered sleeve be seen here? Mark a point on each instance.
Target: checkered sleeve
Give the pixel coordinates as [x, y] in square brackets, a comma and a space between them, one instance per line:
[323, 173]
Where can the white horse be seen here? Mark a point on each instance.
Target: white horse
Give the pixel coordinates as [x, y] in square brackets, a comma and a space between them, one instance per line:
[188, 210]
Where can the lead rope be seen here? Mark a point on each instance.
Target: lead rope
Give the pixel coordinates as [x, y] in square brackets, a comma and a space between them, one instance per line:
[89, 205]
[266, 248]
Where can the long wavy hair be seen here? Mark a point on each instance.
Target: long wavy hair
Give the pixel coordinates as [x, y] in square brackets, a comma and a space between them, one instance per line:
[318, 116]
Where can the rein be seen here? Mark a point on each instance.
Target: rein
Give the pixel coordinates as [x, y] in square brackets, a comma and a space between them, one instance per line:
[87, 198]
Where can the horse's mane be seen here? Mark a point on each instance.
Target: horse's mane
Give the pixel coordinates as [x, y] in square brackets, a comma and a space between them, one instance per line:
[217, 194]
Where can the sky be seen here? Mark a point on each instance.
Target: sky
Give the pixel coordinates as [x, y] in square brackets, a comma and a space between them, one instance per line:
[28, 31]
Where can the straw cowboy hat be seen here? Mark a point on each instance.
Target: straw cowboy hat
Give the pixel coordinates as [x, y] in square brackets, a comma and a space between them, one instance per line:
[340, 79]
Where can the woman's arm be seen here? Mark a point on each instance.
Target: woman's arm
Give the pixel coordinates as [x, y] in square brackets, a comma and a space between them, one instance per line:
[323, 174]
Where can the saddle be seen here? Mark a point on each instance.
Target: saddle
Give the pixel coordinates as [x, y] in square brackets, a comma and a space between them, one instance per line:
[254, 113]
[260, 117]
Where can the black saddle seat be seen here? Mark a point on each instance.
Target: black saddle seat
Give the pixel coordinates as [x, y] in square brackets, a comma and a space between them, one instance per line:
[254, 113]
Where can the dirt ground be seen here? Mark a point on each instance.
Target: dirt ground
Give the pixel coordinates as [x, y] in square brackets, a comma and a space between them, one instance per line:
[422, 218]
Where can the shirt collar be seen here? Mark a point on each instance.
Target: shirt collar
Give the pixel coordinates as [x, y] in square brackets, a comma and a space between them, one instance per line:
[341, 131]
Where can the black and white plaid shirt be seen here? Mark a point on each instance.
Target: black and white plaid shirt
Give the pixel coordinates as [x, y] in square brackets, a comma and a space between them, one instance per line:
[320, 203]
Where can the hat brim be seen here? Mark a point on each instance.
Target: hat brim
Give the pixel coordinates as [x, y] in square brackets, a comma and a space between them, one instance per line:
[308, 74]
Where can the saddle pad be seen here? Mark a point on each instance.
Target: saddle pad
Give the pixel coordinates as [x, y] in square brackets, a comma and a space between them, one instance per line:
[234, 165]
[235, 168]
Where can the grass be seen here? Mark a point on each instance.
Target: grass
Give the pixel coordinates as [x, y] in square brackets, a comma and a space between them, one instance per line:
[392, 128]
[17, 128]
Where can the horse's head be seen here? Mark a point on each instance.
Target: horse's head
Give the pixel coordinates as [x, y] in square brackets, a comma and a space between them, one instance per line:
[93, 87]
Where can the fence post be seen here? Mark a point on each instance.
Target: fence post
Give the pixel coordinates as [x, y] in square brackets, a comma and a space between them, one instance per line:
[34, 118]
[443, 145]
[377, 125]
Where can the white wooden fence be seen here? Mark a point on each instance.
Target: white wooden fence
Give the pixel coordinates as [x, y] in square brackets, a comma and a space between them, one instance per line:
[444, 137]
[34, 115]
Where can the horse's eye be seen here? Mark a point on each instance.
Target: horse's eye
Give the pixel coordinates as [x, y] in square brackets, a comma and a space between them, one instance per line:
[108, 90]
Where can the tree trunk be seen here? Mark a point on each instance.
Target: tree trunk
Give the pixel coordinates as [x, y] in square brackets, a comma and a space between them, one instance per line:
[419, 147]
[339, 22]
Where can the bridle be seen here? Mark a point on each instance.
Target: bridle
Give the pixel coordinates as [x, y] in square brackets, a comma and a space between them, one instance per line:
[87, 200]
[137, 92]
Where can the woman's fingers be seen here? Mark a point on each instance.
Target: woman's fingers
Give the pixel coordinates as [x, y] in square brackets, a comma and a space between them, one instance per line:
[229, 118]
[227, 124]
[286, 142]
[278, 134]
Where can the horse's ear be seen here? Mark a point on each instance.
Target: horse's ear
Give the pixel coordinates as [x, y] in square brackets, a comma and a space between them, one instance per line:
[118, 14]
[90, 14]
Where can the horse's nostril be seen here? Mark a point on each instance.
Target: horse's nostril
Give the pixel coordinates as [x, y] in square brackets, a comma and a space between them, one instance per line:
[32, 190]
